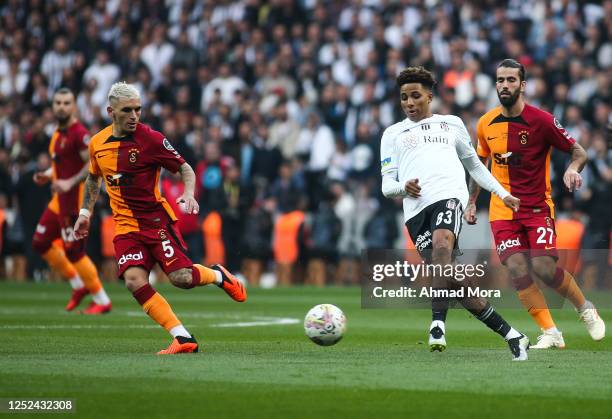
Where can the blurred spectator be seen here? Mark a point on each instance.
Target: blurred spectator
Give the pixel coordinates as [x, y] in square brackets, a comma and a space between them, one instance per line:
[324, 229]
[55, 61]
[105, 74]
[157, 54]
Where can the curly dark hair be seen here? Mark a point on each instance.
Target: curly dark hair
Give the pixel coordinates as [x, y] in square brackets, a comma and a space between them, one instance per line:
[416, 75]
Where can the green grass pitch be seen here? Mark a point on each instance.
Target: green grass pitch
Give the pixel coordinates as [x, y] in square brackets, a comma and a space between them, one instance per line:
[257, 363]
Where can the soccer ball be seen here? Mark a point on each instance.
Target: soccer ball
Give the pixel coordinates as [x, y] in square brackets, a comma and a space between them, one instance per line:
[325, 324]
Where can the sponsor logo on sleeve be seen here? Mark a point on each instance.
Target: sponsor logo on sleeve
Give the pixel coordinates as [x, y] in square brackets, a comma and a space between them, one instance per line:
[169, 147]
[560, 128]
[386, 162]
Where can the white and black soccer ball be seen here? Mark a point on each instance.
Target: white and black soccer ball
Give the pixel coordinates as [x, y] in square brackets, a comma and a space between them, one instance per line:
[325, 324]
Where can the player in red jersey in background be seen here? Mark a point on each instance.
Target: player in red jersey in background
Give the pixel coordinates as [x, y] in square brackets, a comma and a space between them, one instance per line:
[69, 155]
[128, 156]
[519, 139]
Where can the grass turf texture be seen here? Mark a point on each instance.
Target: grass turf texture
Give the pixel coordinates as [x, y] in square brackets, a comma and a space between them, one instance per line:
[382, 368]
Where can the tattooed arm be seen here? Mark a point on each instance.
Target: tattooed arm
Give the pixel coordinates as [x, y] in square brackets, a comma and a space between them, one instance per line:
[92, 190]
[186, 201]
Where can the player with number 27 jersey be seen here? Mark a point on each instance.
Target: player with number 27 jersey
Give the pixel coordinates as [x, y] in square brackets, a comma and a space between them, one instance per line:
[520, 148]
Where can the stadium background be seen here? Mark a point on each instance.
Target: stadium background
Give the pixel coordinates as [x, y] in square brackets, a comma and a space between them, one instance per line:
[279, 107]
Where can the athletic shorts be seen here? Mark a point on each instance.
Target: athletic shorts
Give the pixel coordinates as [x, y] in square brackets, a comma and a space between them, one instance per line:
[445, 214]
[146, 247]
[534, 235]
[52, 226]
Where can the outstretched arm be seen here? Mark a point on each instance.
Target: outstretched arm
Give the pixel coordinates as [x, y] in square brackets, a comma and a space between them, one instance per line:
[474, 187]
[187, 202]
[482, 176]
[572, 178]
[90, 196]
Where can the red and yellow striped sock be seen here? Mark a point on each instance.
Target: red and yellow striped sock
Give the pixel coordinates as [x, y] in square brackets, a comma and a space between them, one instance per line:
[156, 307]
[535, 303]
[89, 274]
[58, 261]
[567, 287]
[202, 275]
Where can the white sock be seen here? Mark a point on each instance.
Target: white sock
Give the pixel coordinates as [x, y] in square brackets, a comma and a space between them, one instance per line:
[512, 334]
[76, 283]
[218, 277]
[587, 305]
[552, 330]
[438, 323]
[101, 298]
[179, 331]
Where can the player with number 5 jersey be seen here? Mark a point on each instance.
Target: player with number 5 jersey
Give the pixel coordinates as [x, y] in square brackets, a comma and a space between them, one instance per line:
[518, 139]
[128, 156]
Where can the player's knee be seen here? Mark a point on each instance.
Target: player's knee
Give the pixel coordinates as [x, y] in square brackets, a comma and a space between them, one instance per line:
[517, 265]
[182, 278]
[135, 278]
[544, 268]
[442, 250]
[41, 246]
[74, 255]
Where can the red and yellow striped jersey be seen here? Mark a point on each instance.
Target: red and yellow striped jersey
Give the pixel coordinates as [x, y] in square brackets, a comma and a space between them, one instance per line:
[130, 167]
[65, 151]
[520, 149]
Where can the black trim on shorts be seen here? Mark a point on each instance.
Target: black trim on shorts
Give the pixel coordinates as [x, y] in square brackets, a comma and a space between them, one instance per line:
[178, 242]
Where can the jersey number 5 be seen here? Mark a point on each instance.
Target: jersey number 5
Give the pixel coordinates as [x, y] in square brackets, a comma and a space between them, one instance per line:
[168, 249]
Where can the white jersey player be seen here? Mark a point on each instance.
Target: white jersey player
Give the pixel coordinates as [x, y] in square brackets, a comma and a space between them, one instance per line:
[422, 160]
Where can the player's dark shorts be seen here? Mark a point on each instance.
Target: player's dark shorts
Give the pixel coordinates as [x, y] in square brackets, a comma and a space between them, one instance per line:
[145, 247]
[52, 226]
[445, 214]
[535, 236]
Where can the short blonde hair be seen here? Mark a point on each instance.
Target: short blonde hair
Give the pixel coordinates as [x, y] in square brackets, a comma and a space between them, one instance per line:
[122, 90]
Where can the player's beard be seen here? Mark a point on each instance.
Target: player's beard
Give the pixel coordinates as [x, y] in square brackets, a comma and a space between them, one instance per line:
[62, 119]
[509, 101]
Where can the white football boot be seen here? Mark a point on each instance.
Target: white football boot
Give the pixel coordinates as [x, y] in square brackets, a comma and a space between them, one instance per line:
[594, 324]
[550, 339]
[519, 347]
[437, 342]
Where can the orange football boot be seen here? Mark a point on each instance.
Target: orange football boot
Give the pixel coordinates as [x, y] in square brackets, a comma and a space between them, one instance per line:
[98, 308]
[181, 345]
[231, 285]
[77, 297]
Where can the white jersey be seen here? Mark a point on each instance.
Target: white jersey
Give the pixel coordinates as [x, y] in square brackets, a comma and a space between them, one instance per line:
[428, 150]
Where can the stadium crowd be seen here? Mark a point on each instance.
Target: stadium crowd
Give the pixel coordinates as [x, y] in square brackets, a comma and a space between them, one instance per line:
[279, 106]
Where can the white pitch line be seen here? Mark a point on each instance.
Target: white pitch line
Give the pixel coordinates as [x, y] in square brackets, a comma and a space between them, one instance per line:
[78, 326]
[261, 321]
[277, 321]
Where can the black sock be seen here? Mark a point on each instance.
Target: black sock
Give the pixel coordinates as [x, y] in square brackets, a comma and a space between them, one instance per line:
[493, 320]
[439, 307]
